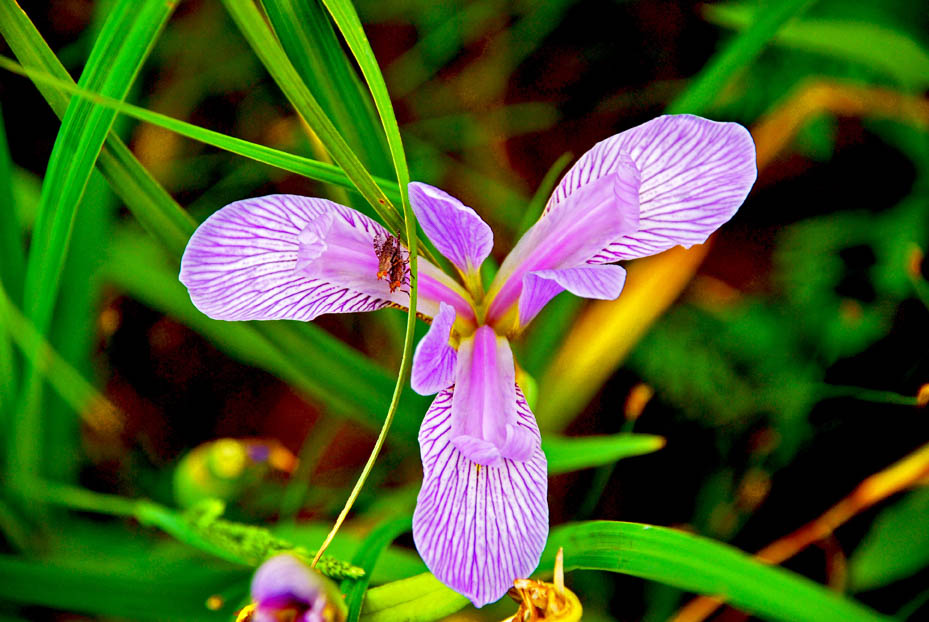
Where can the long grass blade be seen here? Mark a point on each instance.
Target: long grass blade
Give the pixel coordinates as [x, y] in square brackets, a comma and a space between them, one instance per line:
[256, 31]
[312, 169]
[124, 42]
[738, 53]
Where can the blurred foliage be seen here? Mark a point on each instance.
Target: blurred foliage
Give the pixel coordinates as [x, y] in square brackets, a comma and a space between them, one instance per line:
[753, 396]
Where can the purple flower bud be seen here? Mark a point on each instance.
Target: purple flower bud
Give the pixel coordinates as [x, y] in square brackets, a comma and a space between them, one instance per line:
[284, 588]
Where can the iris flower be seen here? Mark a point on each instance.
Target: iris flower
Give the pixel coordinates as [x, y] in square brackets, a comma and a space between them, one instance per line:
[481, 517]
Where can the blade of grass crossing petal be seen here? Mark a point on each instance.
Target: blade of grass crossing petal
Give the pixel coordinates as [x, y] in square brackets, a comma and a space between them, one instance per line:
[154, 207]
[125, 41]
[348, 23]
[366, 558]
[306, 34]
[739, 52]
[312, 169]
[172, 226]
[700, 565]
[256, 31]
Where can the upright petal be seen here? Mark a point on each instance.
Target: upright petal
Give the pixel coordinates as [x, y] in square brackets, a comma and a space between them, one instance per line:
[477, 527]
[293, 257]
[571, 233]
[587, 281]
[455, 229]
[434, 360]
[695, 175]
[484, 422]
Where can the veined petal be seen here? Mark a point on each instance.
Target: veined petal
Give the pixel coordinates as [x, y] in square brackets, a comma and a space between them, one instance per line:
[434, 360]
[484, 421]
[571, 233]
[455, 229]
[695, 175]
[477, 527]
[587, 281]
[293, 257]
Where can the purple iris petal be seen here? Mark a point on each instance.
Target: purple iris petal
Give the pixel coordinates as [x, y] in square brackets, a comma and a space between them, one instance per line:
[293, 257]
[455, 229]
[484, 421]
[587, 281]
[695, 175]
[571, 233]
[434, 360]
[477, 527]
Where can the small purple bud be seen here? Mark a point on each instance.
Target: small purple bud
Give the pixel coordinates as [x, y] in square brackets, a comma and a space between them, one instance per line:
[284, 588]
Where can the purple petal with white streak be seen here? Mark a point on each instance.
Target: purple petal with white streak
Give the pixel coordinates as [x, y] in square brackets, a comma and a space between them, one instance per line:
[572, 233]
[455, 229]
[285, 578]
[602, 282]
[479, 528]
[484, 421]
[434, 360]
[695, 175]
[293, 257]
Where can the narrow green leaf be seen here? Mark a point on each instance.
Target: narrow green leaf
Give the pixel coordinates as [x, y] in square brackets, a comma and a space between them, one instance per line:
[418, 599]
[147, 200]
[252, 24]
[79, 394]
[705, 87]
[567, 454]
[366, 558]
[125, 41]
[12, 255]
[312, 169]
[306, 34]
[700, 565]
[888, 51]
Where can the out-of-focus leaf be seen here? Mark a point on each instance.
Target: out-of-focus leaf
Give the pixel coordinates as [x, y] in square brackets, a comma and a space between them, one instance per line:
[700, 565]
[566, 453]
[126, 39]
[607, 330]
[876, 46]
[323, 366]
[307, 36]
[80, 587]
[418, 599]
[896, 546]
[366, 558]
[312, 169]
[738, 53]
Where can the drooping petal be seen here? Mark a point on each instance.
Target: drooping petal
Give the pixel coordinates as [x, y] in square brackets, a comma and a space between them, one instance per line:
[477, 527]
[571, 233]
[695, 175]
[455, 229]
[294, 257]
[602, 282]
[434, 360]
[484, 421]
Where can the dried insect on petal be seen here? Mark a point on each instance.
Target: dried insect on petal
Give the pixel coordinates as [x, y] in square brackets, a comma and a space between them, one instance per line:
[393, 261]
